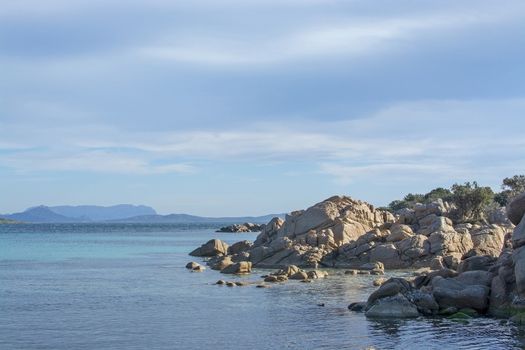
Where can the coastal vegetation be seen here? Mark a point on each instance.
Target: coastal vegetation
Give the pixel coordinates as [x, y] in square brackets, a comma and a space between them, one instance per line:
[472, 201]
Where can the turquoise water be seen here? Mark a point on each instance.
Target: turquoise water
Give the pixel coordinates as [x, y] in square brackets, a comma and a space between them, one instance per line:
[125, 287]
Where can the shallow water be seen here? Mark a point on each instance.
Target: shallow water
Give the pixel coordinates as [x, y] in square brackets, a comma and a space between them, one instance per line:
[122, 286]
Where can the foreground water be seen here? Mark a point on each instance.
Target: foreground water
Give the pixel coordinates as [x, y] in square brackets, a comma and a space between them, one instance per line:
[125, 287]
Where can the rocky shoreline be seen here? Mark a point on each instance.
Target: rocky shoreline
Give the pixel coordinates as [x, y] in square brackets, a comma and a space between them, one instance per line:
[467, 268]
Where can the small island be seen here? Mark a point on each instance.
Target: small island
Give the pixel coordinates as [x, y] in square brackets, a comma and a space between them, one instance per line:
[240, 228]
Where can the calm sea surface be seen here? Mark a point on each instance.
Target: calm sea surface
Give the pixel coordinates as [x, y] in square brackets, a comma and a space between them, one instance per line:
[120, 286]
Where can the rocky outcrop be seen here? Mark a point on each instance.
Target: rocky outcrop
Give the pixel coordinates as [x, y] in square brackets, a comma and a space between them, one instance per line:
[239, 228]
[213, 247]
[341, 232]
[490, 277]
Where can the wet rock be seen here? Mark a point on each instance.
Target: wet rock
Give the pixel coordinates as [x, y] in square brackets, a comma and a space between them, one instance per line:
[396, 306]
[276, 278]
[452, 293]
[243, 267]
[316, 274]
[424, 302]
[192, 265]
[220, 262]
[379, 281]
[199, 268]
[299, 275]
[391, 287]
[220, 282]
[357, 307]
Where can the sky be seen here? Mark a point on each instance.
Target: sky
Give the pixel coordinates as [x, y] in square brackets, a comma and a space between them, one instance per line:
[250, 107]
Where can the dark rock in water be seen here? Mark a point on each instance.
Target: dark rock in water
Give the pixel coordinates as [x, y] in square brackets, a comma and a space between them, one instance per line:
[239, 228]
[220, 282]
[396, 306]
[450, 292]
[321, 304]
[192, 265]
[357, 307]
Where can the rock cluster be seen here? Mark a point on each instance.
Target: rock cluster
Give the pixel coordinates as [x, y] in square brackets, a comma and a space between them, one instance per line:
[239, 228]
[483, 282]
[341, 232]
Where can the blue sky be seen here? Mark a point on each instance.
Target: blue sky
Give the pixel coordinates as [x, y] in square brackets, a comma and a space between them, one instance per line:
[239, 107]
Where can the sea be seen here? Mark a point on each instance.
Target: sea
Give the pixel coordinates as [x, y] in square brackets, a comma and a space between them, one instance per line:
[125, 286]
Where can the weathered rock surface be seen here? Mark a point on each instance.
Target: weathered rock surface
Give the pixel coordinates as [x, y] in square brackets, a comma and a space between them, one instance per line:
[213, 247]
[239, 247]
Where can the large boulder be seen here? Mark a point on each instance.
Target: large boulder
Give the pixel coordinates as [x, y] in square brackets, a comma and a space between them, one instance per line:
[414, 247]
[518, 258]
[516, 209]
[239, 247]
[518, 236]
[220, 262]
[451, 292]
[481, 263]
[487, 240]
[396, 306]
[269, 231]
[213, 247]
[399, 232]
[446, 242]
[388, 255]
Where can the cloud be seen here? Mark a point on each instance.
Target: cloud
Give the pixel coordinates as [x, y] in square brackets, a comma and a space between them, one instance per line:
[432, 138]
[350, 38]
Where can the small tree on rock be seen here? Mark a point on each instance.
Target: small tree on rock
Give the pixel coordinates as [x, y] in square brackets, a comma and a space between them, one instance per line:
[470, 200]
[512, 186]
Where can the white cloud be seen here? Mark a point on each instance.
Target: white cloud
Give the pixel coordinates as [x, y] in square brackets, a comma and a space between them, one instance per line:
[354, 37]
[437, 138]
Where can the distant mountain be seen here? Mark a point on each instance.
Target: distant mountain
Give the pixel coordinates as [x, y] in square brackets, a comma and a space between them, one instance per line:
[99, 213]
[123, 213]
[188, 219]
[39, 214]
